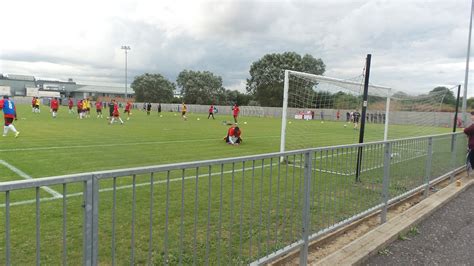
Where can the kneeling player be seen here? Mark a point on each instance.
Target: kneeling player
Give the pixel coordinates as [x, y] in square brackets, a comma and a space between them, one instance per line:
[233, 135]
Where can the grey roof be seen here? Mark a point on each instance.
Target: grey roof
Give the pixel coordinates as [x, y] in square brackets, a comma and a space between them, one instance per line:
[102, 89]
[21, 77]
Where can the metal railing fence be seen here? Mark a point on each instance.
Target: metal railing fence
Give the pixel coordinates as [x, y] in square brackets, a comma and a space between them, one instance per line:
[246, 210]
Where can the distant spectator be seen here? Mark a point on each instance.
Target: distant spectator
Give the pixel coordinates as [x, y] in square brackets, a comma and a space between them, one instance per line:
[148, 108]
[469, 131]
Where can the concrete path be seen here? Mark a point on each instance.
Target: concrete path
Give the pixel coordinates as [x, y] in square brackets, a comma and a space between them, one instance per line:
[444, 238]
[443, 234]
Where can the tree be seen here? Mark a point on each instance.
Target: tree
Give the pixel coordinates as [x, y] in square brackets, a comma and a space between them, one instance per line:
[200, 87]
[448, 95]
[470, 103]
[233, 96]
[153, 88]
[267, 75]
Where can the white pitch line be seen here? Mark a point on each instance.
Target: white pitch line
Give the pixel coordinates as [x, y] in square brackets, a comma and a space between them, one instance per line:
[17, 171]
[156, 182]
[120, 144]
[179, 179]
[136, 185]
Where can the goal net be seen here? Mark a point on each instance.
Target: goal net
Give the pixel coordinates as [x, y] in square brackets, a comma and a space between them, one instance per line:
[422, 114]
[323, 111]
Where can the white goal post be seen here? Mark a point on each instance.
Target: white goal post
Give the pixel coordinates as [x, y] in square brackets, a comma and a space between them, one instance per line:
[351, 86]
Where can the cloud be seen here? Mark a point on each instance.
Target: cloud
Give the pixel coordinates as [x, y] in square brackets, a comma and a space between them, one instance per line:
[416, 45]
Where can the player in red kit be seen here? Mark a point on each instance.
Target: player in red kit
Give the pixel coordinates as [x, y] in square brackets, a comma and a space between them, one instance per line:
[70, 104]
[128, 108]
[98, 108]
[235, 112]
[211, 112]
[115, 114]
[54, 106]
[33, 103]
[233, 135]
[80, 107]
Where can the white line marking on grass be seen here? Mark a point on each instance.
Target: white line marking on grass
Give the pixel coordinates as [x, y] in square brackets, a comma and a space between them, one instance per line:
[147, 184]
[17, 171]
[122, 144]
[136, 185]
[201, 175]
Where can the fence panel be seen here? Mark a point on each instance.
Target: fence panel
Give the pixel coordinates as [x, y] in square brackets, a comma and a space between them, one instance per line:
[230, 211]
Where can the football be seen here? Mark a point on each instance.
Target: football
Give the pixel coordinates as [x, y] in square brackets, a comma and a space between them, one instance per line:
[245, 123]
[345, 125]
[198, 118]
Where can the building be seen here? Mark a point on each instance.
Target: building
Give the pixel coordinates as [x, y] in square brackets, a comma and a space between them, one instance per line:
[29, 86]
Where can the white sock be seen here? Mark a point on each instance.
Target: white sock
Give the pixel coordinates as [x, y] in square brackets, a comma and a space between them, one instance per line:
[112, 121]
[5, 130]
[12, 127]
[121, 121]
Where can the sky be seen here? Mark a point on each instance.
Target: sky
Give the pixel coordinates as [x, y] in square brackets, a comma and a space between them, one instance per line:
[416, 45]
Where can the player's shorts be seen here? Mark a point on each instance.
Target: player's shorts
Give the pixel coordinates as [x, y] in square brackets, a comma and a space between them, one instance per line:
[98, 110]
[116, 114]
[88, 109]
[183, 113]
[70, 107]
[126, 111]
[37, 106]
[55, 109]
[8, 120]
[356, 120]
[79, 110]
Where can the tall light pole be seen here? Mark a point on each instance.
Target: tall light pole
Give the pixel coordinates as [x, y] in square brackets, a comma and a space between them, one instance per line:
[125, 48]
[466, 76]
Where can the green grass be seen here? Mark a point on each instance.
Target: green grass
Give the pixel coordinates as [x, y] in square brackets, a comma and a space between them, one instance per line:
[267, 199]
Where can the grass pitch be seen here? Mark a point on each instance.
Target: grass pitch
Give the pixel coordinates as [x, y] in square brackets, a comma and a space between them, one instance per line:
[250, 213]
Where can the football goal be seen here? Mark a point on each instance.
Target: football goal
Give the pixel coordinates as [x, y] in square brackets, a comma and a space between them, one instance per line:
[322, 111]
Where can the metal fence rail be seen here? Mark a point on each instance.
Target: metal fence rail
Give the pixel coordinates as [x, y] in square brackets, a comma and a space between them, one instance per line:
[242, 210]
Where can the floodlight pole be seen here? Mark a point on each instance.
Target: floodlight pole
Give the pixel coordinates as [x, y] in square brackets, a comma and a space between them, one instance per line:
[126, 48]
[466, 75]
[364, 110]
